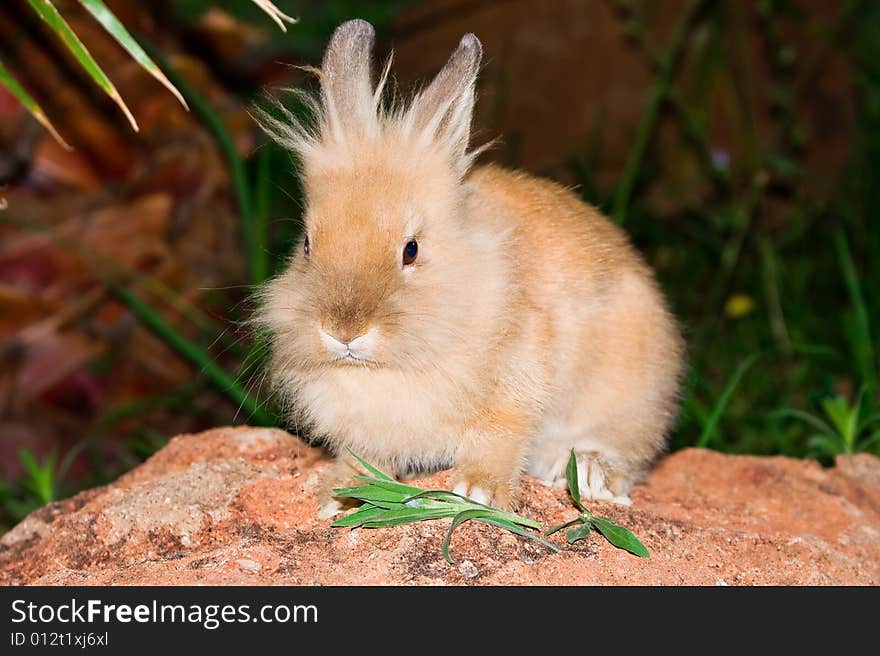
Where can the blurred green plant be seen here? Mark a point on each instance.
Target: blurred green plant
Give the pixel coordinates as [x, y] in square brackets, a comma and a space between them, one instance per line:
[847, 428]
[752, 264]
[49, 13]
[37, 487]
[39, 479]
[844, 429]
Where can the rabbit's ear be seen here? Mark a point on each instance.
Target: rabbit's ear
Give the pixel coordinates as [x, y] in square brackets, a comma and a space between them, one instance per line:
[346, 84]
[444, 109]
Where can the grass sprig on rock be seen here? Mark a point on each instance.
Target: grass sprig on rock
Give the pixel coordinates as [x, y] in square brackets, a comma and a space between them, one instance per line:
[389, 503]
[586, 521]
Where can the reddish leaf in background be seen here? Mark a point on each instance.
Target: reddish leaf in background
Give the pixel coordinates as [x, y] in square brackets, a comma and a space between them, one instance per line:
[9, 106]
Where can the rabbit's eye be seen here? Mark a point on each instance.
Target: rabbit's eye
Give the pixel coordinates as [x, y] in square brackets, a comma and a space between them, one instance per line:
[306, 247]
[410, 251]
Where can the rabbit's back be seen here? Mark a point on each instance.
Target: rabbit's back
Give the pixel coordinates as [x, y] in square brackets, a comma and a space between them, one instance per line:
[614, 350]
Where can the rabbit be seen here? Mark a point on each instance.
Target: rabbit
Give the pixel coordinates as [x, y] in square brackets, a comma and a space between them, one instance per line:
[436, 313]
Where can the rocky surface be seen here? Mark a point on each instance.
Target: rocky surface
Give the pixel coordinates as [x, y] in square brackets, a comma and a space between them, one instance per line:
[237, 506]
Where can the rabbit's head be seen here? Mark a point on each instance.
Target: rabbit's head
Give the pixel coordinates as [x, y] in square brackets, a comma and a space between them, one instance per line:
[383, 274]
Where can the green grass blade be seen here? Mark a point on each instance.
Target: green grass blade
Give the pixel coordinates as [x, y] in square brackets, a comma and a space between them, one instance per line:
[260, 255]
[721, 405]
[571, 475]
[117, 30]
[844, 418]
[276, 14]
[513, 528]
[375, 472]
[47, 11]
[226, 144]
[660, 92]
[620, 537]
[401, 488]
[868, 442]
[372, 493]
[582, 532]
[830, 445]
[194, 353]
[446, 495]
[869, 421]
[398, 516]
[362, 515]
[12, 85]
[559, 527]
[40, 479]
[806, 417]
[458, 520]
[863, 348]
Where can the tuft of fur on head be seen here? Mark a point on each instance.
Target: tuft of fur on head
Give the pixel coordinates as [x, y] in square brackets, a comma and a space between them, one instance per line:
[350, 115]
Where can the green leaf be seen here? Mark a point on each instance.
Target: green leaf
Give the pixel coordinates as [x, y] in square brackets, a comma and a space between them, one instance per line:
[806, 417]
[841, 416]
[559, 527]
[582, 532]
[513, 528]
[47, 11]
[620, 537]
[868, 442]
[30, 104]
[375, 472]
[830, 445]
[106, 17]
[571, 475]
[457, 521]
[40, 479]
[500, 515]
[401, 488]
[363, 514]
[861, 343]
[868, 421]
[372, 493]
[721, 405]
[398, 516]
[446, 495]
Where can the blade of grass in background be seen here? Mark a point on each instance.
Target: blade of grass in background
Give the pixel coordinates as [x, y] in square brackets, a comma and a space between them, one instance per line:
[260, 229]
[29, 103]
[195, 354]
[659, 93]
[47, 11]
[257, 261]
[225, 382]
[106, 17]
[40, 477]
[276, 14]
[863, 347]
[711, 426]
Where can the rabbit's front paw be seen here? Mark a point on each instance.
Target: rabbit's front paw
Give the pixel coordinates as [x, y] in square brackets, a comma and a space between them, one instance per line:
[488, 492]
[595, 480]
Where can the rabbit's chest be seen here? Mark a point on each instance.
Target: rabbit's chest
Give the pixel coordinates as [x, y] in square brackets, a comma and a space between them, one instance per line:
[382, 410]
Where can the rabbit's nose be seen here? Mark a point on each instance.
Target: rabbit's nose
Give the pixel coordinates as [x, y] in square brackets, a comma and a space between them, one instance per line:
[345, 336]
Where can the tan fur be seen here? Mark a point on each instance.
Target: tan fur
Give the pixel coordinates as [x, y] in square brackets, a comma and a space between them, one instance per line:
[527, 325]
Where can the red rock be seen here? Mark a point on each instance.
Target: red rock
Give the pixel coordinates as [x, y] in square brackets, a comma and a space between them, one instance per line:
[237, 506]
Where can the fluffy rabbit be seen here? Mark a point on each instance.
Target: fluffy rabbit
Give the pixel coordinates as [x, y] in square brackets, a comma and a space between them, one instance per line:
[435, 313]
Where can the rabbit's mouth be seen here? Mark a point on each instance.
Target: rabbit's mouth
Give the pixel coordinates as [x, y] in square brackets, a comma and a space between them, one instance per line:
[352, 359]
[355, 351]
